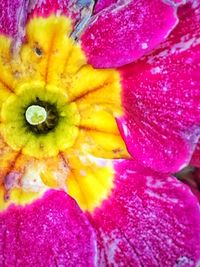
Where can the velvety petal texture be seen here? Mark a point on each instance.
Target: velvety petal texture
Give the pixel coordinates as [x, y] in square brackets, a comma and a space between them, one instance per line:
[149, 220]
[162, 99]
[45, 8]
[51, 231]
[127, 30]
[101, 4]
[13, 15]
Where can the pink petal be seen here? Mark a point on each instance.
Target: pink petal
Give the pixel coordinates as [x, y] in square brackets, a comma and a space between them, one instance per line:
[52, 231]
[70, 8]
[149, 220]
[161, 98]
[195, 160]
[45, 8]
[101, 4]
[123, 33]
[13, 15]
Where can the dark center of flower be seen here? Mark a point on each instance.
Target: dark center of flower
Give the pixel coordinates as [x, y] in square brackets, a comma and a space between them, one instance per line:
[41, 117]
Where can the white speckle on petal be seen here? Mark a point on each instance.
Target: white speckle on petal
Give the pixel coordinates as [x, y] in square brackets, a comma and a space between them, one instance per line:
[165, 88]
[144, 45]
[156, 70]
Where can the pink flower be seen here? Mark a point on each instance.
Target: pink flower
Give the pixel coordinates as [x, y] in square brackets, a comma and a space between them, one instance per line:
[86, 92]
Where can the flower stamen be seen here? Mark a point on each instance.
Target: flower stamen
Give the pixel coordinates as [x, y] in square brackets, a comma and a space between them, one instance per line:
[41, 117]
[35, 115]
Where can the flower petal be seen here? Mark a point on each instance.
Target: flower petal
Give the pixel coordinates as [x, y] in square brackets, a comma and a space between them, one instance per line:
[101, 4]
[25, 178]
[149, 220]
[123, 33]
[72, 9]
[89, 180]
[98, 100]
[13, 15]
[162, 99]
[51, 231]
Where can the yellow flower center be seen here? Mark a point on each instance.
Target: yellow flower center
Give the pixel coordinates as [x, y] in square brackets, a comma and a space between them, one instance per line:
[57, 133]
[57, 118]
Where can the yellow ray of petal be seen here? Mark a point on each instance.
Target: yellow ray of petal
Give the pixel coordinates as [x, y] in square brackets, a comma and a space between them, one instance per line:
[11, 175]
[108, 96]
[99, 134]
[6, 72]
[97, 117]
[47, 47]
[4, 94]
[29, 178]
[8, 158]
[101, 144]
[88, 79]
[16, 196]
[90, 179]
[55, 172]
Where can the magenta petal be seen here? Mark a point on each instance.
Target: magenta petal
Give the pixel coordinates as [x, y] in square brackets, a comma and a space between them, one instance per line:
[44, 8]
[52, 231]
[149, 220]
[161, 98]
[12, 16]
[195, 160]
[123, 33]
[101, 4]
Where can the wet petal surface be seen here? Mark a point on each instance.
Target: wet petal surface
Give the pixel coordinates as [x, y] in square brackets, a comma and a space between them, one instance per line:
[44, 8]
[149, 220]
[13, 15]
[51, 231]
[162, 100]
[126, 31]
